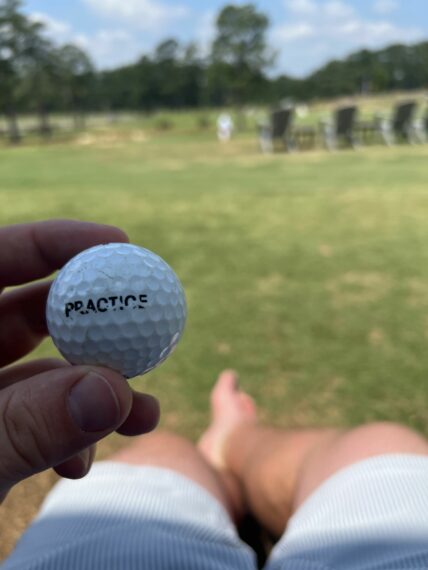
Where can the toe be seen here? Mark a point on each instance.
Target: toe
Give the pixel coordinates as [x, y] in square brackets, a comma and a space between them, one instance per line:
[226, 385]
[248, 405]
[228, 379]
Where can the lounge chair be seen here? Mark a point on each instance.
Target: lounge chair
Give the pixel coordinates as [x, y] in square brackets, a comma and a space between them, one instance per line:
[401, 126]
[422, 130]
[277, 131]
[281, 130]
[341, 130]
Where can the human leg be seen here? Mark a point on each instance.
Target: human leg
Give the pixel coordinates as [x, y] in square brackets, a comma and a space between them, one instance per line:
[347, 499]
[279, 469]
[266, 461]
[169, 451]
[156, 504]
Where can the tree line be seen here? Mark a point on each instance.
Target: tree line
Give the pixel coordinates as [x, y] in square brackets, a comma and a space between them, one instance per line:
[40, 77]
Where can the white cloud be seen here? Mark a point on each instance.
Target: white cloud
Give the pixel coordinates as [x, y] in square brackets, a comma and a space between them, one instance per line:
[123, 43]
[333, 9]
[141, 14]
[301, 6]
[110, 48]
[205, 32]
[299, 31]
[385, 6]
[331, 29]
[337, 10]
[56, 29]
[107, 47]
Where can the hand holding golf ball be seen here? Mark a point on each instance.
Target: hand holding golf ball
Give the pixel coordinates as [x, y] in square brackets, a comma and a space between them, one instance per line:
[52, 414]
[118, 306]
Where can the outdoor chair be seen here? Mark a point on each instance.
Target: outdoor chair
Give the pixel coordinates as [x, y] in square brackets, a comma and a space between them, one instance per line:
[278, 130]
[341, 130]
[401, 126]
[424, 127]
[404, 125]
[281, 130]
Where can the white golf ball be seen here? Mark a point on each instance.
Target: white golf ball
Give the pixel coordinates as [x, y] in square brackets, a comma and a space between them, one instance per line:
[119, 306]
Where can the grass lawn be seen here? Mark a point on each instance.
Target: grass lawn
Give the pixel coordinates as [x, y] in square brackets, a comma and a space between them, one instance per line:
[307, 273]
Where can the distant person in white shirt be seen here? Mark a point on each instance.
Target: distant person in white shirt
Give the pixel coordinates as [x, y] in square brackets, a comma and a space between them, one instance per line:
[225, 127]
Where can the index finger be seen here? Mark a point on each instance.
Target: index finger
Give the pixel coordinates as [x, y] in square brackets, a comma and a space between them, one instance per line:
[33, 251]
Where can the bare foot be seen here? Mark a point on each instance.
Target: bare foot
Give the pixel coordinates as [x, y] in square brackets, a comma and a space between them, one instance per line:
[230, 407]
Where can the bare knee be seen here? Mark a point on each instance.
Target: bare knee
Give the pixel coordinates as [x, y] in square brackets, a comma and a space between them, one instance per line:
[371, 440]
[158, 446]
[358, 444]
[381, 438]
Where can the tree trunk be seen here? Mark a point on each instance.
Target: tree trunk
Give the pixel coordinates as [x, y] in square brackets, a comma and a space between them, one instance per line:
[45, 129]
[13, 127]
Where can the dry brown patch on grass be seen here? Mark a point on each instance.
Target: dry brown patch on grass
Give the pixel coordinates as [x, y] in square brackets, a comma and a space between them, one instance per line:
[379, 340]
[174, 165]
[223, 348]
[325, 250]
[111, 138]
[355, 288]
[306, 416]
[377, 337]
[276, 387]
[85, 140]
[418, 292]
[172, 420]
[139, 136]
[270, 284]
[320, 409]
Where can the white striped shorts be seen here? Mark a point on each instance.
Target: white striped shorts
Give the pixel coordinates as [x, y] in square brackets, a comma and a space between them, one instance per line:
[370, 516]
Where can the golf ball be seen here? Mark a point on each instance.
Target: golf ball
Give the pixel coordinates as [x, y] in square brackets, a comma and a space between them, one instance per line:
[119, 306]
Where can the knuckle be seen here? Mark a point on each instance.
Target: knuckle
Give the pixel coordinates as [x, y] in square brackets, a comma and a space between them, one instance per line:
[387, 428]
[24, 430]
[53, 363]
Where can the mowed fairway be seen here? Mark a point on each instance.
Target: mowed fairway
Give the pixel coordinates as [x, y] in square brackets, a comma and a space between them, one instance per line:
[307, 273]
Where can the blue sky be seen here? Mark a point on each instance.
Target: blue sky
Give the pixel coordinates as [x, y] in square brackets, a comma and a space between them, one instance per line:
[306, 33]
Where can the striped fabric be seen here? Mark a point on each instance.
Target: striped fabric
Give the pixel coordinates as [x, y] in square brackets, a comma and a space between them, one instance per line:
[371, 516]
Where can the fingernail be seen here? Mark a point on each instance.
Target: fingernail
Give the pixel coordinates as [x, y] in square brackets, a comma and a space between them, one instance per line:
[86, 459]
[93, 404]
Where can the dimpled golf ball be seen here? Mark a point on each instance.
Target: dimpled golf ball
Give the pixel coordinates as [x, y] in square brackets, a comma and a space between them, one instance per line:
[119, 306]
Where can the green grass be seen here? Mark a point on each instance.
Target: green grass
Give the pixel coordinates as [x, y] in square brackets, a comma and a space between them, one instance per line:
[308, 273]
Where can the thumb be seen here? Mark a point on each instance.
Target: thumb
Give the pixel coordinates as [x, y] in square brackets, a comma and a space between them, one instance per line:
[51, 417]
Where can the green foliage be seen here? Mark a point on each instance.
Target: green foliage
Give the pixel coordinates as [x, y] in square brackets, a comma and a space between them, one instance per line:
[173, 78]
[40, 71]
[23, 50]
[397, 67]
[38, 76]
[77, 76]
[13, 46]
[240, 52]
[241, 38]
